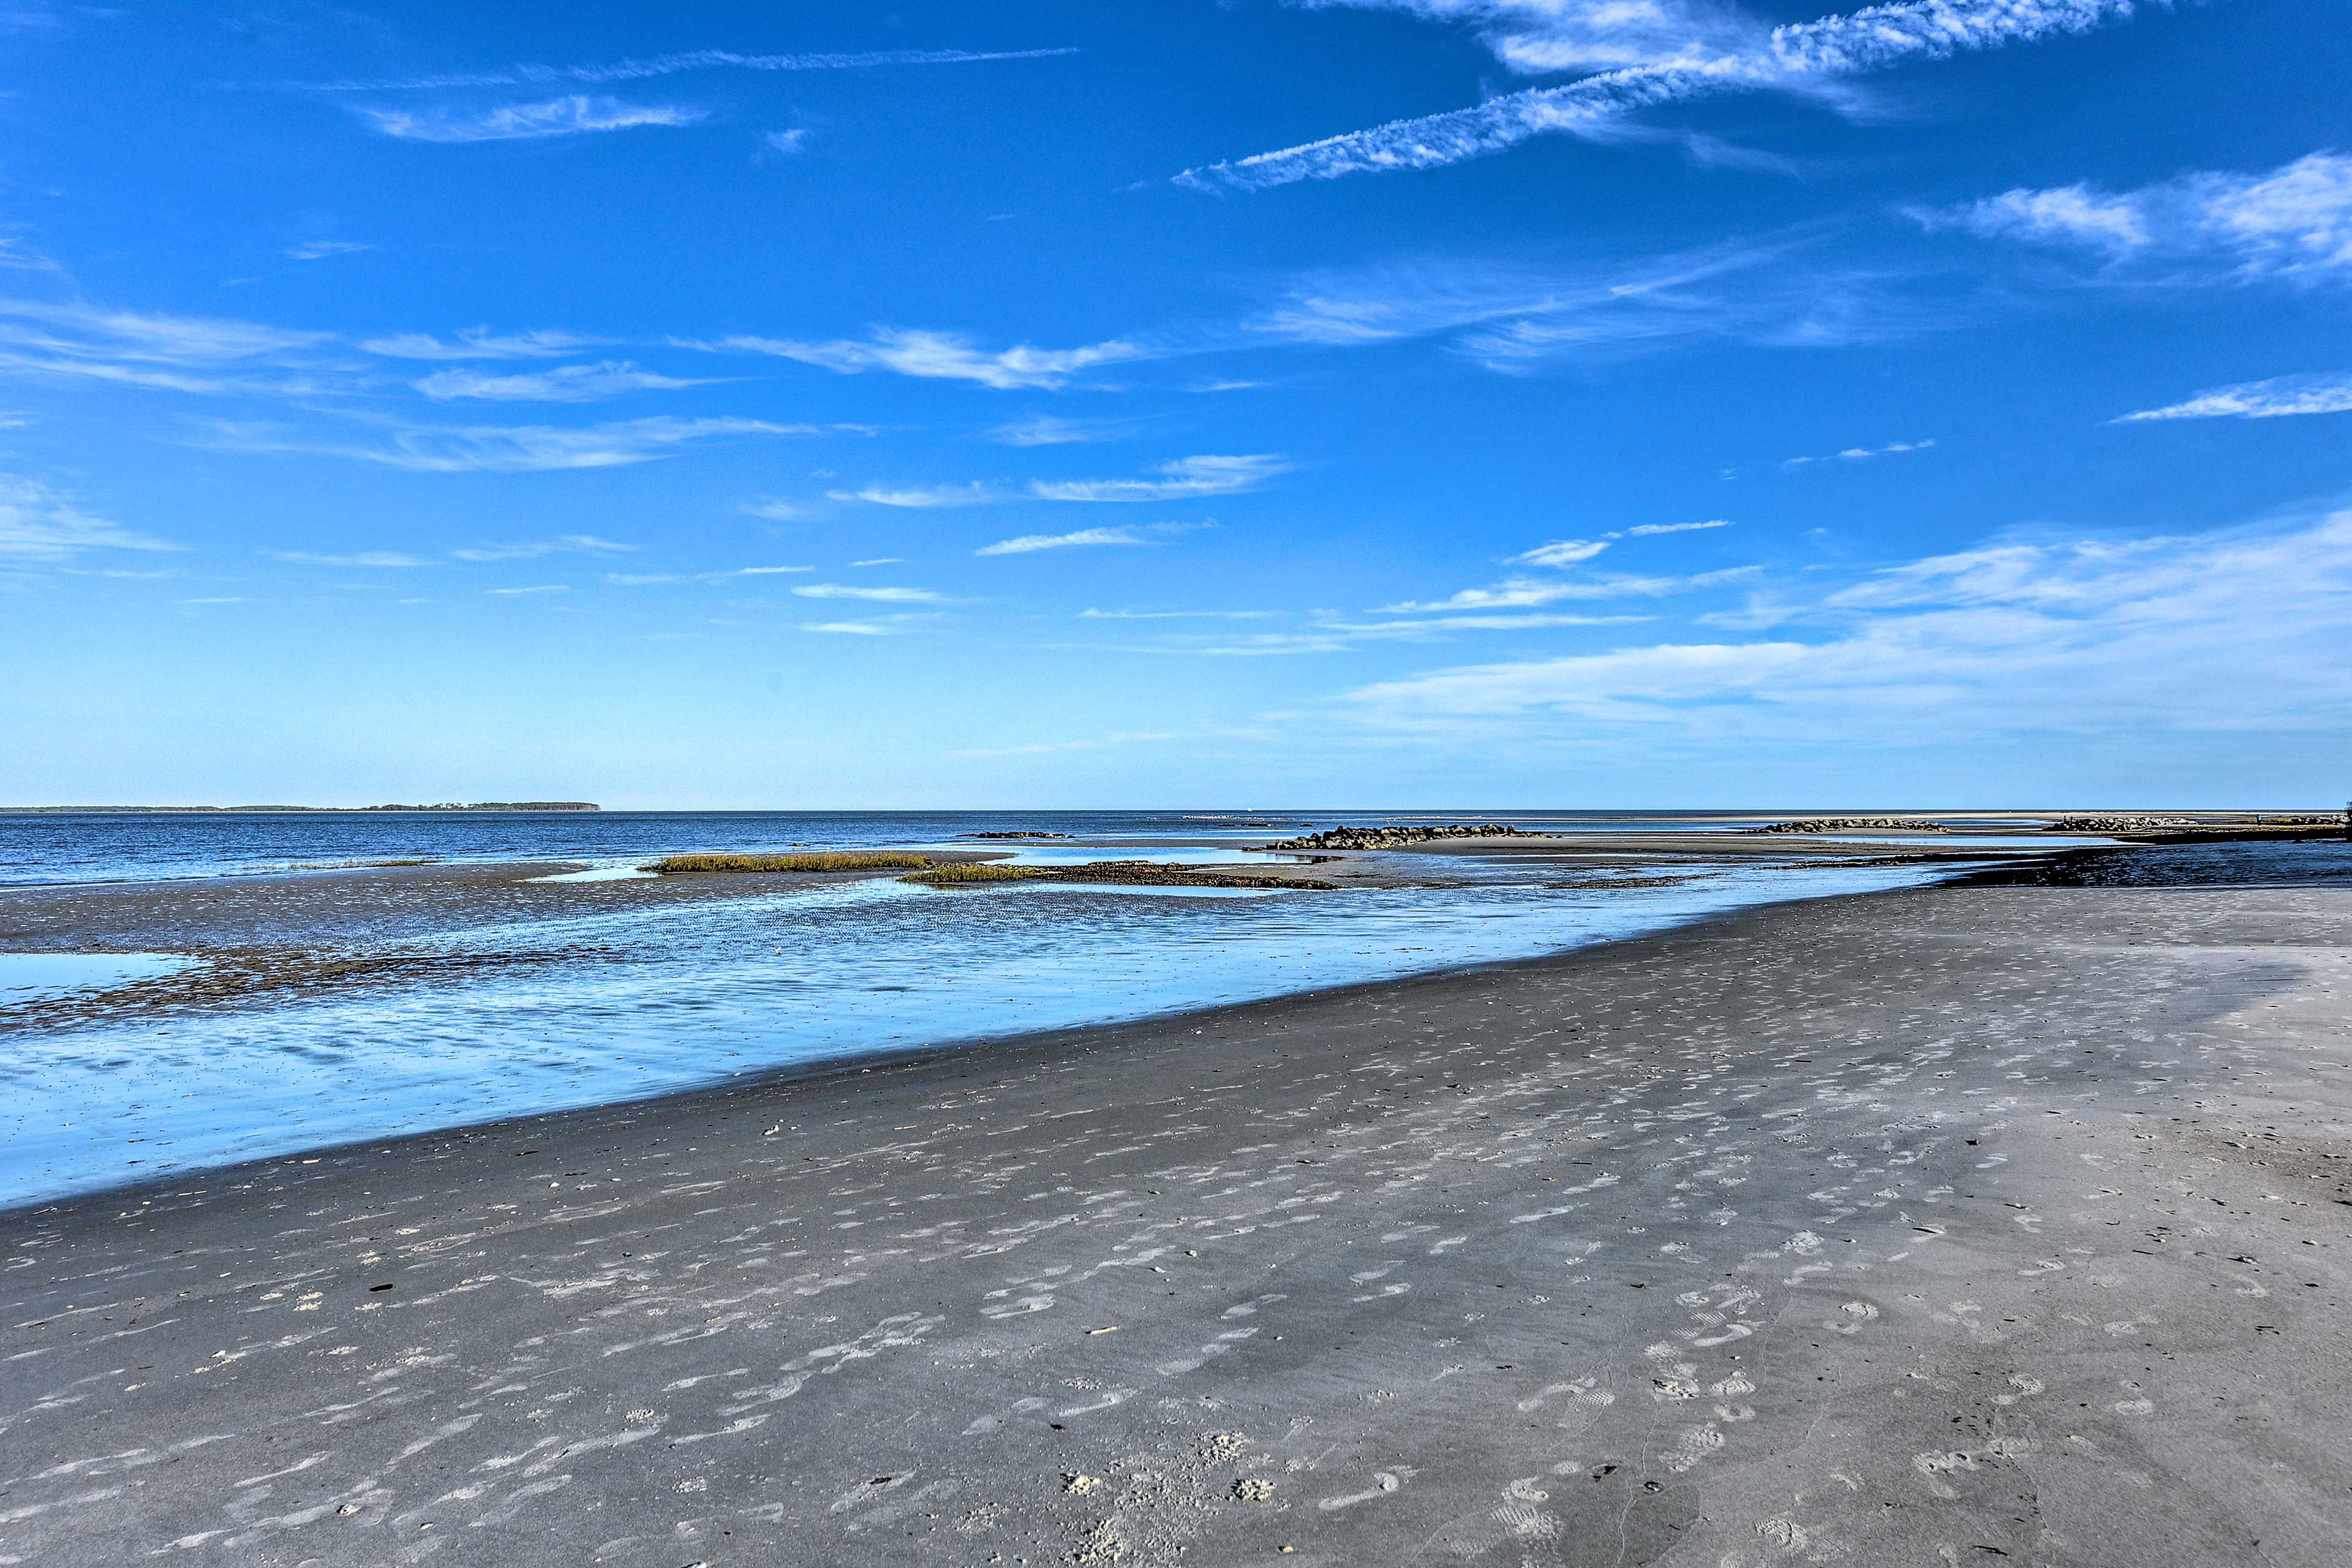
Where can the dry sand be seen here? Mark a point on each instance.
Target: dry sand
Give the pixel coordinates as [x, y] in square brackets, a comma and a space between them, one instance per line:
[1933, 1227]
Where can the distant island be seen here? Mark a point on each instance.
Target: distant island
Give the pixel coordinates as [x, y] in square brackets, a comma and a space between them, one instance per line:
[220, 810]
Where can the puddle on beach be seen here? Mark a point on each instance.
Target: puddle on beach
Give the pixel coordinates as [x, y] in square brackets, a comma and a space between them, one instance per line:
[36, 976]
[598, 874]
[1070, 855]
[673, 996]
[1117, 890]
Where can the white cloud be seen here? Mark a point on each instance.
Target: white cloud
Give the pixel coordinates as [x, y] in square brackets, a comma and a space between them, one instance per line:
[1526, 593]
[1029, 544]
[881, 561]
[572, 115]
[478, 343]
[2234, 629]
[773, 510]
[585, 543]
[880, 595]
[1645, 530]
[787, 142]
[854, 628]
[937, 355]
[921, 496]
[1329, 634]
[1514, 318]
[1092, 615]
[1182, 479]
[1810, 56]
[1574, 551]
[1045, 430]
[517, 449]
[657, 579]
[39, 522]
[2295, 222]
[319, 249]
[2280, 395]
[1540, 36]
[690, 60]
[564, 383]
[369, 558]
[1860, 454]
[540, 588]
[174, 353]
[1563, 552]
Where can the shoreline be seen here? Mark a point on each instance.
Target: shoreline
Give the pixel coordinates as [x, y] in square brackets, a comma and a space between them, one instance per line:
[237, 977]
[683, 1101]
[1835, 1221]
[270, 979]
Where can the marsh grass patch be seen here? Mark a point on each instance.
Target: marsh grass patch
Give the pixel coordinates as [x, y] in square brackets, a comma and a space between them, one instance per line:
[870, 860]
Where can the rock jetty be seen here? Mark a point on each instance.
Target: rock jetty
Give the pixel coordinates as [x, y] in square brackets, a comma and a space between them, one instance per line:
[1397, 837]
[1852, 825]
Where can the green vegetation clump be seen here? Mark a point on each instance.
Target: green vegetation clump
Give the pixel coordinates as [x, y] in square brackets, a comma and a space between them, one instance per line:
[974, 871]
[867, 860]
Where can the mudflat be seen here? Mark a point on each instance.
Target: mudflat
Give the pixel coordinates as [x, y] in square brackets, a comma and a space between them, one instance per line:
[1939, 1226]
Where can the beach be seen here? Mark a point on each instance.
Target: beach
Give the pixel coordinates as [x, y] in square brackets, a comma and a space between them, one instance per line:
[1943, 1224]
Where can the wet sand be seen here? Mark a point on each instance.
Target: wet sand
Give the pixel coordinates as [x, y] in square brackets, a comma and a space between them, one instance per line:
[1936, 1226]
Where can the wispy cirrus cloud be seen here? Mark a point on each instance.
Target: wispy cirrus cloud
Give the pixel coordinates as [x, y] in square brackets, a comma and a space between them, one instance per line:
[2234, 629]
[1046, 430]
[949, 356]
[512, 449]
[923, 497]
[40, 523]
[580, 543]
[2279, 397]
[673, 64]
[319, 249]
[478, 343]
[1094, 614]
[2293, 222]
[1514, 318]
[1326, 633]
[1527, 593]
[1860, 454]
[1545, 36]
[1179, 480]
[1030, 544]
[563, 383]
[155, 351]
[575, 114]
[1575, 551]
[875, 594]
[1677, 59]
[652, 579]
[392, 559]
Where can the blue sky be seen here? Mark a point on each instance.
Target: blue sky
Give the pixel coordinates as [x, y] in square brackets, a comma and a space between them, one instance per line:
[1394, 402]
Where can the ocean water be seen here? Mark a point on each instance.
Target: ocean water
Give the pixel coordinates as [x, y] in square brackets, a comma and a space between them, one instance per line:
[651, 999]
[105, 846]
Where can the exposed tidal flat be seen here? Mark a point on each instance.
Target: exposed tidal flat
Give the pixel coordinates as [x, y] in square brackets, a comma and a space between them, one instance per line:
[1969, 1221]
[315, 1006]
